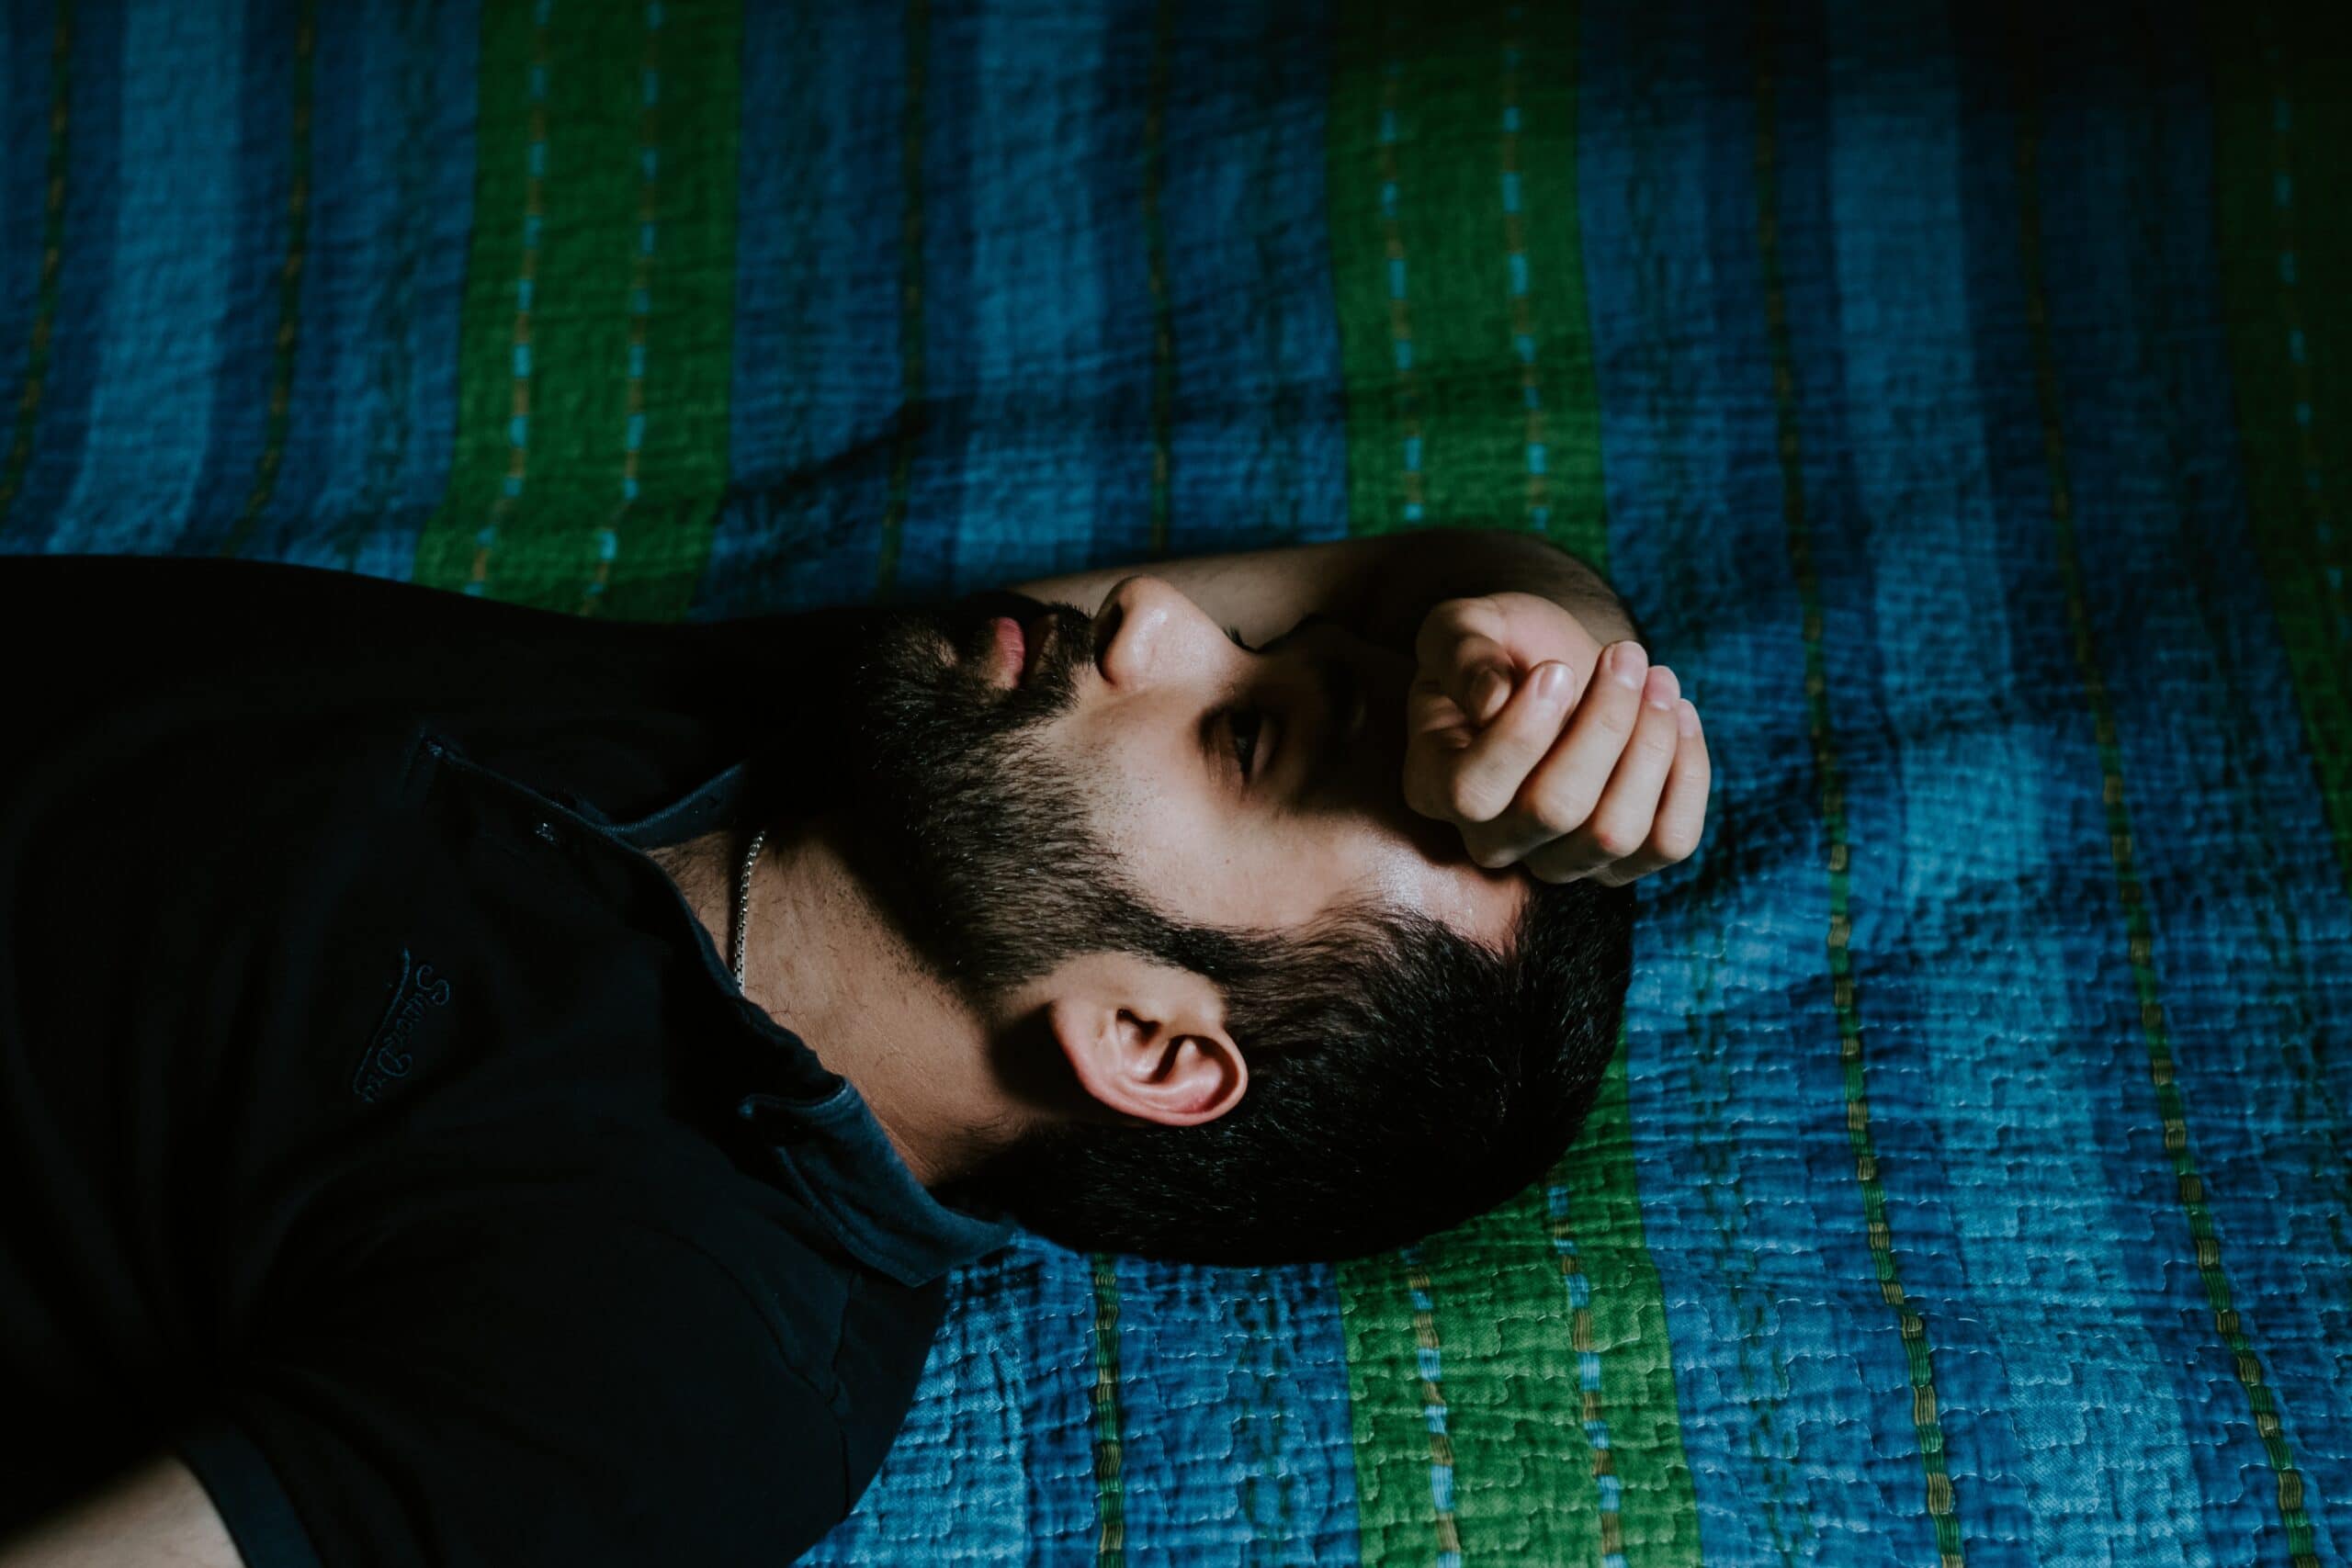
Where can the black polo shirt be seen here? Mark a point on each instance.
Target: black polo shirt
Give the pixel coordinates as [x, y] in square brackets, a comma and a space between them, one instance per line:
[379, 1130]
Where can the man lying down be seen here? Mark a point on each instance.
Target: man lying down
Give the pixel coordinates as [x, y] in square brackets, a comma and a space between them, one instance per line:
[481, 1086]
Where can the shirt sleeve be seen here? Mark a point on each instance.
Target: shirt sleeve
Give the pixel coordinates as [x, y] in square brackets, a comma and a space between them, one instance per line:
[584, 1395]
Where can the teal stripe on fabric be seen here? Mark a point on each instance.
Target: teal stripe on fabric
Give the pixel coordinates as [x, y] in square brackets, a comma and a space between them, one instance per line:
[1913, 1305]
[1243, 1371]
[39, 118]
[2215, 912]
[175, 230]
[1258, 445]
[1960, 878]
[1694, 511]
[962, 1425]
[1031, 309]
[378, 371]
[254, 413]
[817, 407]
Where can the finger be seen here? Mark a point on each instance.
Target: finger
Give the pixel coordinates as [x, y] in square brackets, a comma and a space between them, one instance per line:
[1486, 775]
[1436, 731]
[1681, 806]
[1461, 647]
[1565, 786]
[1560, 819]
[1623, 820]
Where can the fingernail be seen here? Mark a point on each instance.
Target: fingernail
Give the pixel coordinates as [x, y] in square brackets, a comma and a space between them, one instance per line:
[1661, 690]
[1686, 719]
[1551, 680]
[1626, 662]
[1492, 689]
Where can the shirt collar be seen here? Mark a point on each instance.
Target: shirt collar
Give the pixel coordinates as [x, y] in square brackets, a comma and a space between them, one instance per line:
[825, 1146]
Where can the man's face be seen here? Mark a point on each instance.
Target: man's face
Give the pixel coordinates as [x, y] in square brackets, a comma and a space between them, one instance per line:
[1034, 783]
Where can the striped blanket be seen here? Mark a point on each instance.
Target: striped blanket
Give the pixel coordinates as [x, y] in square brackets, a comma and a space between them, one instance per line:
[1962, 398]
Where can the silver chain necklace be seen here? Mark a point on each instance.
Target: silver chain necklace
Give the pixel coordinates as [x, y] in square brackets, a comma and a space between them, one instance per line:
[744, 901]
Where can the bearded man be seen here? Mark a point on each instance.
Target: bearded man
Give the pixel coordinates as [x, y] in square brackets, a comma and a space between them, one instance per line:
[480, 1086]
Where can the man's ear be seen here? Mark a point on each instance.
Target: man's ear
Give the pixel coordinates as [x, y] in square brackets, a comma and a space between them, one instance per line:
[1145, 1040]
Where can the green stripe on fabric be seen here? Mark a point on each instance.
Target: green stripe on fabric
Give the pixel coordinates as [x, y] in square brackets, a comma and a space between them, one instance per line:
[2288, 1490]
[1110, 1543]
[1459, 269]
[52, 248]
[1624, 1329]
[290, 289]
[2283, 160]
[1390, 1413]
[601, 131]
[1911, 1323]
[1512, 1376]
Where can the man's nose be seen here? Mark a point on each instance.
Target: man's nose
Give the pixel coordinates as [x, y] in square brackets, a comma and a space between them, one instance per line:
[1154, 635]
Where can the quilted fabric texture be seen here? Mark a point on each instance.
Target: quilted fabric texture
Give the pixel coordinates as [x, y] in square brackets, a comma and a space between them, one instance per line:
[1962, 398]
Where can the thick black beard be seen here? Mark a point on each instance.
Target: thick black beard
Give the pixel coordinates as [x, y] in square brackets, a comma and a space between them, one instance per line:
[973, 842]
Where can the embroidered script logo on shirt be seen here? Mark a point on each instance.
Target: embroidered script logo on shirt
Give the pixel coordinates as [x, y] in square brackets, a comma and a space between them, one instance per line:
[388, 1057]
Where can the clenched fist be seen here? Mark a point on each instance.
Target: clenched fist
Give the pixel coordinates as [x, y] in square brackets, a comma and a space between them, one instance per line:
[1548, 751]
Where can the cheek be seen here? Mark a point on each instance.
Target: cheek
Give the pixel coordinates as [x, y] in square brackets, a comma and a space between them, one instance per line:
[1190, 855]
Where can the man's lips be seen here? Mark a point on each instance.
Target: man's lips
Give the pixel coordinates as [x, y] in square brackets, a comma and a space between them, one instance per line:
[1017, 648]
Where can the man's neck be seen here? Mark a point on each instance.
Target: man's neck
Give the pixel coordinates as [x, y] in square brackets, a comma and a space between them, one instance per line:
[823, 962]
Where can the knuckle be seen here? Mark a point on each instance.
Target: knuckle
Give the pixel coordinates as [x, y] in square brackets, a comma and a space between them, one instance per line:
[1554, 866]
[1493, 856]
[1562, 809]
[1468, 799]
[1614, 838]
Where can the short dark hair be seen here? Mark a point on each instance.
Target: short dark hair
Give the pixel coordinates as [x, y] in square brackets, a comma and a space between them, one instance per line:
[1402, 1078]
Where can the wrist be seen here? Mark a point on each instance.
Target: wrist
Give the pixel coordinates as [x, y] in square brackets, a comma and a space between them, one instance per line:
[1416, 571]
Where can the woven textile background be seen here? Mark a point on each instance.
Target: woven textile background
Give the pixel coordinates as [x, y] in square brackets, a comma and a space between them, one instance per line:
[1964, 406]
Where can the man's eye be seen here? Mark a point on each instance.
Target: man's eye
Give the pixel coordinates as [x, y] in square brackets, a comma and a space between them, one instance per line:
[1244, 725]
[1235, 633]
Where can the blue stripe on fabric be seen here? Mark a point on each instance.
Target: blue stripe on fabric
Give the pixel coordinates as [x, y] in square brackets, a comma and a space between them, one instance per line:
[1109, 432]
[1235, 1387]
[1736, 1100]
[2250, 930]
[86, 278]
[1966, 882]
[245, 363]
[2081, 922]
[24, 100]
[168, 294]
[1258, 450]
[1038, 348]
[1896, 998]
[367, 450]
[308, 499]
[947, 415]
[1675, 489]
[951, 1488]
[1057, 1291]
[818, 369]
